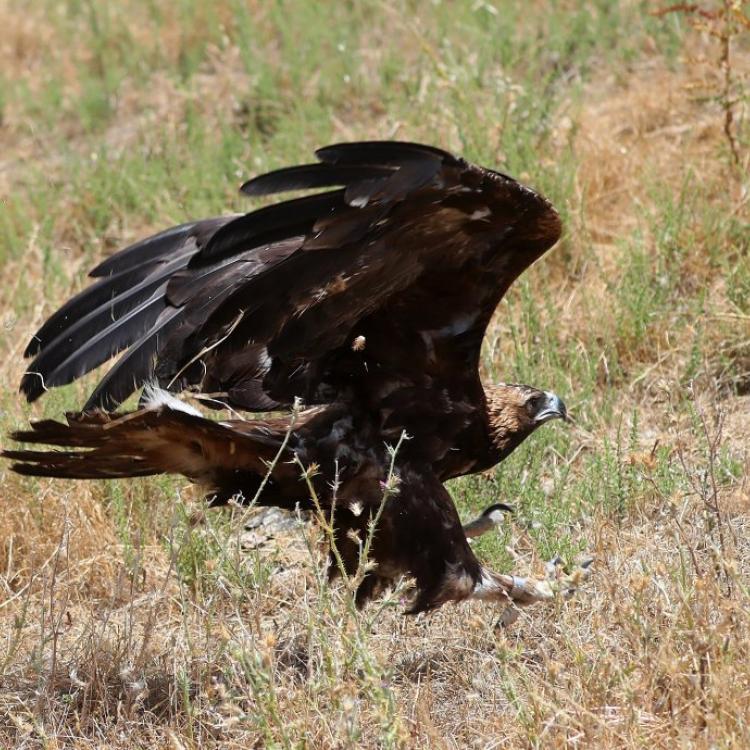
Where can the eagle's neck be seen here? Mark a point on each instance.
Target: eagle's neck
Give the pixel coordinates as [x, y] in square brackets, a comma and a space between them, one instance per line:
[507, 423]
[490, 436]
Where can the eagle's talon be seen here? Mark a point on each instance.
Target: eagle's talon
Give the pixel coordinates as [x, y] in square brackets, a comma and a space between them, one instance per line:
[551, 566]
[569, 584]
[490, 519]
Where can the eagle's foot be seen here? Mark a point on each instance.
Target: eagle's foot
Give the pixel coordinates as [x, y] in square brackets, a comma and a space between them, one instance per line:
[566, 584]
[523, 591]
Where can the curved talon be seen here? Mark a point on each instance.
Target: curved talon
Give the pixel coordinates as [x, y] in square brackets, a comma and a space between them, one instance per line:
[522, 591]
[569, 584]
[554, 584]
[550, 567]
[490, 518]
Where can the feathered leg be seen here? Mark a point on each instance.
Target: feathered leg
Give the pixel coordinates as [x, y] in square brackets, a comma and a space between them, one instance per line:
[517, 589]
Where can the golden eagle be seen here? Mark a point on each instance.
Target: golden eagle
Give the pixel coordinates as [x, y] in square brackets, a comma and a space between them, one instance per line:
[367, 301]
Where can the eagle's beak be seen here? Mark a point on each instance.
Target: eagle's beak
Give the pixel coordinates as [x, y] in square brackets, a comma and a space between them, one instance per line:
[553, 408]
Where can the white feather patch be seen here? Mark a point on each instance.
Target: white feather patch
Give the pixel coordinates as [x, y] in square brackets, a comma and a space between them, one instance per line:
[480, 213]
[154, 397]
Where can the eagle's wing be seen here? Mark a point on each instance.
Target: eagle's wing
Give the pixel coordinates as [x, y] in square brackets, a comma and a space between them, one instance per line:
[392, 277]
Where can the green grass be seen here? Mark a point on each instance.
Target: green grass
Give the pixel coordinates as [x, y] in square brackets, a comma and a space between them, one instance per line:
[494, 78]
[120, 119]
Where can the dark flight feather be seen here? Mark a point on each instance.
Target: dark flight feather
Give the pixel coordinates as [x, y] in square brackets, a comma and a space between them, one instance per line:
[122, 271]
[136, 366]
[383, 152]
[100, 347]
[93, 297]
[269, 224]
[310, 176]
[112, 312]
[161, 245]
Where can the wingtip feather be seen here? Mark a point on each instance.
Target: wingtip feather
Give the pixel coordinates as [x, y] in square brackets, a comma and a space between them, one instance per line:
[381, 152]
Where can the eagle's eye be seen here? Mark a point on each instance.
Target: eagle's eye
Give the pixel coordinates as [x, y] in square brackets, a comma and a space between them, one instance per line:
[534, 404]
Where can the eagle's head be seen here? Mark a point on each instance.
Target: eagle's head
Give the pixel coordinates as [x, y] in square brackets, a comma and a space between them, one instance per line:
[515, 411]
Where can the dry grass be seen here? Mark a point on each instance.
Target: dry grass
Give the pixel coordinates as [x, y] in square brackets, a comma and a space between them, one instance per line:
[125, 625]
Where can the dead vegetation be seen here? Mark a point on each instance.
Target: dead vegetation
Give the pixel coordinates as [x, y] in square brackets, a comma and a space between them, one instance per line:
[123, 624]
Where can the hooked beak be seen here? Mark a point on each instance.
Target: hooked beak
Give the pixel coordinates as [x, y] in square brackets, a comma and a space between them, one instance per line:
[553, 408]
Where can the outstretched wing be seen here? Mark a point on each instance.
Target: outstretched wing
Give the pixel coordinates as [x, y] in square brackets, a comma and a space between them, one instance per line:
[387, 281]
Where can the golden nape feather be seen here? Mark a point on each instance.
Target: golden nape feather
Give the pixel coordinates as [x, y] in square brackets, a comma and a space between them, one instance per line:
[367, 300]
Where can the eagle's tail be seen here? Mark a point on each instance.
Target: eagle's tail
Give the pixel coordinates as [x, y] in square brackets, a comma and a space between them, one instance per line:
[165, 437]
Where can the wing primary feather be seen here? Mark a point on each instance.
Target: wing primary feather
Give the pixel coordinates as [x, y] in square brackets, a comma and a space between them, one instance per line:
[98, 349]
[382, 153]
[269, 224]
[51, 432]
[100, 292]
[144, 250]
[308, 176]
[73, 465]
[80, 329]
[123, 269]
[135, 367]
[160, 244]
[186, 283]
[409, 177]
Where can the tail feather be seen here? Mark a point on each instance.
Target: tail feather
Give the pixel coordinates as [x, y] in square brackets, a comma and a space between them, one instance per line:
[75, 465]
[158, 439]
[78, 433]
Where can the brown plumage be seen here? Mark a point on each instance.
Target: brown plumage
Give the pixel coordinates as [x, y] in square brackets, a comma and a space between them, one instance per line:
[368, 302]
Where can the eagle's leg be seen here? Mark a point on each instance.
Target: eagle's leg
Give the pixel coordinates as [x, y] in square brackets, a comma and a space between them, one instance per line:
[523, 591]
[419, 534]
